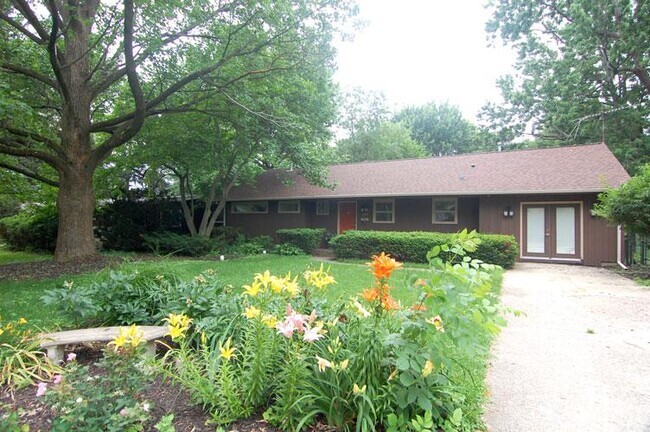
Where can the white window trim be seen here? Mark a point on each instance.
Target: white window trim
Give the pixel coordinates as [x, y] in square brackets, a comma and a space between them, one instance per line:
[233, 204]
[328, 208]
[374, 210]
[288, 201]
[433, 211]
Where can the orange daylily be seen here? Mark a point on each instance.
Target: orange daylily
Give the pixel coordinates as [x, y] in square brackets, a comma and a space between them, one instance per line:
[389, 303]
[418, 307]
[370, 295]
[383, 265]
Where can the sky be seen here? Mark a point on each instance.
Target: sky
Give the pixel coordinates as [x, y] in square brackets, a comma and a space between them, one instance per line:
[418, 51]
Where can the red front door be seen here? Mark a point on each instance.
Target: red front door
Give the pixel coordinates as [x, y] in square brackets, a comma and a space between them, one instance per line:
[347, 216]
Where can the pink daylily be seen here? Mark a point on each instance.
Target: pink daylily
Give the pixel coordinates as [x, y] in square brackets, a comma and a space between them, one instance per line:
[286, 328]
[71, 357]
[42, 388]
[312, 334]
[57, 379]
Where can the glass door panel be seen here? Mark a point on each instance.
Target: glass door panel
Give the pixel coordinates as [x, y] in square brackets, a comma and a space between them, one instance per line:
[535, 230]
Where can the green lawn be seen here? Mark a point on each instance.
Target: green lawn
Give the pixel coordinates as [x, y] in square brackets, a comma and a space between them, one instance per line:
[22, 298]
[7, 256]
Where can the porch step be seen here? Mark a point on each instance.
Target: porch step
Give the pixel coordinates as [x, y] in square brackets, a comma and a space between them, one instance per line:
[324, 253]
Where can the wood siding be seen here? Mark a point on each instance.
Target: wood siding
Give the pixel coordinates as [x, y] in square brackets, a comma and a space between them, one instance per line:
[485, 214]
[598, 240]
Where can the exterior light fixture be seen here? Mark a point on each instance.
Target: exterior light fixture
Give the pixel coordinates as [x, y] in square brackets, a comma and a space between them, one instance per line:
[508, 212]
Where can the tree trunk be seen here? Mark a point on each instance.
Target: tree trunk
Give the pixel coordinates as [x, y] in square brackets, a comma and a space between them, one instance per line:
[76, 205]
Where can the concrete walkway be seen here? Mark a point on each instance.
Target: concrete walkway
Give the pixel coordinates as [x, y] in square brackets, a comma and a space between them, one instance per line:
[579, 360]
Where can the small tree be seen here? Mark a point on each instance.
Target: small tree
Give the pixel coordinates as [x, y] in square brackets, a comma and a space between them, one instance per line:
[628, 205]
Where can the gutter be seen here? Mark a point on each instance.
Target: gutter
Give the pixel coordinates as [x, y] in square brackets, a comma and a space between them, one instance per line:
[619, 248]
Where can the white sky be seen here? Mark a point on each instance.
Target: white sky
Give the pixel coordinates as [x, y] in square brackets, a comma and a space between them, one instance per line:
[417, 51]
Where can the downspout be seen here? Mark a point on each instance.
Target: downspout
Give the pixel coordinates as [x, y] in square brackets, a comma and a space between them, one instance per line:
[619, 248]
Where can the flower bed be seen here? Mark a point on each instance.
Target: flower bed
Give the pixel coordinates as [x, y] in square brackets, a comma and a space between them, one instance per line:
[280, 349]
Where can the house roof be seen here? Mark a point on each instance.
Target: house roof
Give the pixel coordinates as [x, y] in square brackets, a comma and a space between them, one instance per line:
[586, 168]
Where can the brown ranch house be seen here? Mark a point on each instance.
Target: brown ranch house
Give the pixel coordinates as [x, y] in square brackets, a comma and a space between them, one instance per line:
[542, 196]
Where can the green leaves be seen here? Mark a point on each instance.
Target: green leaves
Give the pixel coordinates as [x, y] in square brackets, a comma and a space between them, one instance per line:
[583, 72]
[629, 205]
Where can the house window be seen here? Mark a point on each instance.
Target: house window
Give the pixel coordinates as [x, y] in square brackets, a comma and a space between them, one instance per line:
[383, 211]
[250, 207]
[289, 206]
[322, 208]
[445, 210]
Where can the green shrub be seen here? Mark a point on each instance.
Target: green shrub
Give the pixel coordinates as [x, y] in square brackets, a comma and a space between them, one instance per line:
[252, 246]
[413, 246]
[138, 298]
[306, 239]
[288, 249]
[168, 243]
[33, 229]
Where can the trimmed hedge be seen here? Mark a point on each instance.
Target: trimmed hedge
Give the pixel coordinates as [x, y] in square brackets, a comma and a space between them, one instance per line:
[306, 239]
[413, 246]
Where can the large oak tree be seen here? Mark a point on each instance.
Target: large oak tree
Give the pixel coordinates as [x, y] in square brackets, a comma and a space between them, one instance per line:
[79, 78]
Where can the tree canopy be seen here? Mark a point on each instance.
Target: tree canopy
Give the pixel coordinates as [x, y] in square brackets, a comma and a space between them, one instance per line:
[583, 74]
[80, 78]
[628, 205]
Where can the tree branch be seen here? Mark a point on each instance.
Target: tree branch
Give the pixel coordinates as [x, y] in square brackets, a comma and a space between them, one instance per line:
[30, 73]
[6, 18]
[52, 51]
[18, 147]
[29, 173]
[27, 12]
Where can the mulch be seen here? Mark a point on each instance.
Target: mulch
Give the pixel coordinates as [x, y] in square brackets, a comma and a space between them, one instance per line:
[167, 397]
[50, 269]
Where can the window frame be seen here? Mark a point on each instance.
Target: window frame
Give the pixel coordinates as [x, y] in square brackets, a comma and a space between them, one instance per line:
[383, 201]
[234, 204]
[280, 211]
[433, 210]
[327, 207]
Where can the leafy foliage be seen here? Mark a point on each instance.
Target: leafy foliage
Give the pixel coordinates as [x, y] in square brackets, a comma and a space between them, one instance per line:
[22, 362]
[584, 75]
[629, 205]
[34, 229]
[441, 129]
[413, 246]
[109, 401]
[307, 239]
[169, 243]
[387, 141]
[139, 298]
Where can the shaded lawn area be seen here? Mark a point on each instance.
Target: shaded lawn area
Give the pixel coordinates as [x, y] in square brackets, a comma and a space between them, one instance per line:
[7, 256]
[23, 298]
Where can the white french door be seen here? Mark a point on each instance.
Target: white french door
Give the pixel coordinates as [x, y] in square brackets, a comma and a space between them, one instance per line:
[551, 230]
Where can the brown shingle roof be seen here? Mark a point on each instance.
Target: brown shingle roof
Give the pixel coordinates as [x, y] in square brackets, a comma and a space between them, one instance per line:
[587, 168]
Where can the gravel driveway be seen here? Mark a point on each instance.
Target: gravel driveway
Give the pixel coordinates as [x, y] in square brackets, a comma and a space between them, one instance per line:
[580, 358]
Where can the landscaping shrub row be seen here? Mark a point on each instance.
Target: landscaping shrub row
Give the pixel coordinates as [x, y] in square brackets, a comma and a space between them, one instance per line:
[413, 246]
[306, 239]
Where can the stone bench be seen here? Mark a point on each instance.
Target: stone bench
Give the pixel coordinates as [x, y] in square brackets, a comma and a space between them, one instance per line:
[55, 343]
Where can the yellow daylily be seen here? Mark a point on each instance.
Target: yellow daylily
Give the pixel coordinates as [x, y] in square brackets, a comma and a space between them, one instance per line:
[252, 312]
[291, 286]
[134, 336]
[358, 390]
[226, 351]
[270, 321]
[175, 332]
[427, 369]
[119, 341]
[264, 278]
[436, 321]
[253, 289]
[22, 321]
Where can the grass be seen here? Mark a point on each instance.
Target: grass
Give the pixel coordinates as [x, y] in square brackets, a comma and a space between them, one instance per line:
[23, 298]
[8, 257]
